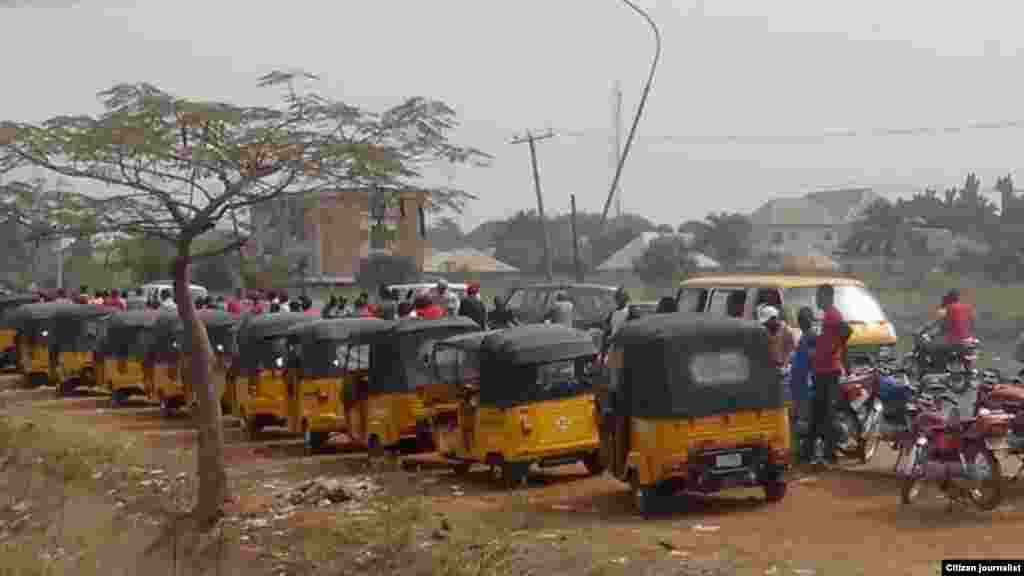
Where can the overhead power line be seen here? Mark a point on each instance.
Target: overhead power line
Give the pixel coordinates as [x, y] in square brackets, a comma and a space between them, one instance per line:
[755, 139]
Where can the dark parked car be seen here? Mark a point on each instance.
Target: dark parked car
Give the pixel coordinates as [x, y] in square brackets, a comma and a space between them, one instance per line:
[592, 303]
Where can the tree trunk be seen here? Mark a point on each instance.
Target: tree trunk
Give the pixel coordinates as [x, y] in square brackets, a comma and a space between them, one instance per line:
[213, 485]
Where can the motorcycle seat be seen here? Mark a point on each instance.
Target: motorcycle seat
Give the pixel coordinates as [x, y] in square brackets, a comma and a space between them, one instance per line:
[1007, 392]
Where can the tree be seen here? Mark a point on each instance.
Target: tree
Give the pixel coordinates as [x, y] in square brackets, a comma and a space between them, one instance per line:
[665, 260]
[884, 230]
[37, 215]
[146, 259]
[381, 269]
[726, 238]
[445, 234]
[174, 168]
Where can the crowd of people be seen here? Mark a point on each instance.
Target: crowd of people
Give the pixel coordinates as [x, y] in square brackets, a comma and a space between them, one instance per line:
[432, 304]
[435, 303]
[817, 359]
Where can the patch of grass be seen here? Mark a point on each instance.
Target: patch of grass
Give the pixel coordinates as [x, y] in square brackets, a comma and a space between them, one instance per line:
[471, 555]
[386, 531]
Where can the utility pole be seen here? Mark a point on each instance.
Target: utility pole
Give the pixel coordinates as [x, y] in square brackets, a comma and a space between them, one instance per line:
[575, 242]
[531, 139]
[617, 147]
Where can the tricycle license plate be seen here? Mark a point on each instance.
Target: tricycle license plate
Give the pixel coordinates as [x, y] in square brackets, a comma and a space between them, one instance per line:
[728, 460]
[996, 443]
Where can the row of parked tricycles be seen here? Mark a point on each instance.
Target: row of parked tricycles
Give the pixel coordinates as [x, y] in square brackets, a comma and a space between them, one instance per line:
[680, 402]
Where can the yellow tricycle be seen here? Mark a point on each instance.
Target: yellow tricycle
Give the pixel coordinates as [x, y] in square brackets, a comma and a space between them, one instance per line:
[8, 331]
[35, 328]
[527, 398]
[259, 380]
[163, 382]
[77, 335]
[121, 360]
[321, 364]
[386, 411]
[693, 403]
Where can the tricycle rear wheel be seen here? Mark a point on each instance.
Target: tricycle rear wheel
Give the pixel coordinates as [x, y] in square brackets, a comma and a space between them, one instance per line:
[774, 490]
[593, 463]
[644, 497]
[252, 429]
[314, 441]
[119, 398]
[513, 474]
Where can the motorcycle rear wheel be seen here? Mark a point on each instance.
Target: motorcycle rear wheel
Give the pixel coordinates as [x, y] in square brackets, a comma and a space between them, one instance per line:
[989, 492]
[847, 433]
[869, 442]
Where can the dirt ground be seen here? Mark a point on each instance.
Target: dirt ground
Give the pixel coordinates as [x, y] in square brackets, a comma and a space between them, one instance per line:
[848, 521]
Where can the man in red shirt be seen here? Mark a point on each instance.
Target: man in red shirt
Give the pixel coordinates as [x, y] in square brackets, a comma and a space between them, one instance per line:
[830, 362]
[115, 301]
[427, 309]
[958, 319]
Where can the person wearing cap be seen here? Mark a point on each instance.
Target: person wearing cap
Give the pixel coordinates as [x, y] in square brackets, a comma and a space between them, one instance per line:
[472, 307]
[781, 339]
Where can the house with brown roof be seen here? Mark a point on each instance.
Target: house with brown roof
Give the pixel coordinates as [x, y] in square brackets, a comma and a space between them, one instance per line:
[817, 223]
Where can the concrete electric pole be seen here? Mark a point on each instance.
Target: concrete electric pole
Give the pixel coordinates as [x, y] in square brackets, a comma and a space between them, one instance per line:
[531, 139]
[617, 145]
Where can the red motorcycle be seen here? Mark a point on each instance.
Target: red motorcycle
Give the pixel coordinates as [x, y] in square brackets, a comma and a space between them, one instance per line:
[858, 414]
[959, 454]
[995, 393]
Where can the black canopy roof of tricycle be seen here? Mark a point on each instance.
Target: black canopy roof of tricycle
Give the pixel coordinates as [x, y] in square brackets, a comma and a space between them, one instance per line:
[537, 344]
[687, 365]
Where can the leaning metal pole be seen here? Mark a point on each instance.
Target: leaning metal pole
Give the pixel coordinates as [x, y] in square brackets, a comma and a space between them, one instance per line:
[639, 110]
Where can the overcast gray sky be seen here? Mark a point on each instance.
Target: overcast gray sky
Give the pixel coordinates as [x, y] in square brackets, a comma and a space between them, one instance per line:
[760, 70]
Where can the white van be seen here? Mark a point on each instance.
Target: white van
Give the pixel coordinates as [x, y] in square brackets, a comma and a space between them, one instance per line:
[152, 290]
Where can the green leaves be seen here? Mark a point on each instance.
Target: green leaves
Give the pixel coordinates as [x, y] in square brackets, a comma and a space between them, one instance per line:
[173, 166]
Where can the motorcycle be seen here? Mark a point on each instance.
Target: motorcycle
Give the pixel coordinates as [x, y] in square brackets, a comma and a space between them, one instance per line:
[960, 360]
[960, 454]
[995, 393]
[858, 415]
